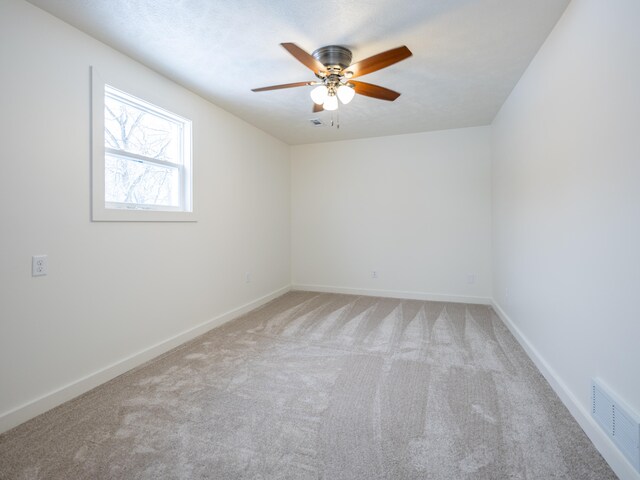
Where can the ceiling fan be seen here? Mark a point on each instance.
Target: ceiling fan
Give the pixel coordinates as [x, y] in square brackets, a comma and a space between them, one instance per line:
[332, 65]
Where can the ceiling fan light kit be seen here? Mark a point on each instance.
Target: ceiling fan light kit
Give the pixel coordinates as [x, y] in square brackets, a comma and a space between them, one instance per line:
[319, 94]
[334, 70]
[331, 102]
[346, 92]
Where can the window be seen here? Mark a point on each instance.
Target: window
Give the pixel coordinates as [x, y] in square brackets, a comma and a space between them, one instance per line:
[141, 159]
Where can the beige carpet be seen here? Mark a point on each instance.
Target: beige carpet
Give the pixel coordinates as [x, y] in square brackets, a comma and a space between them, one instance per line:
[320, 386]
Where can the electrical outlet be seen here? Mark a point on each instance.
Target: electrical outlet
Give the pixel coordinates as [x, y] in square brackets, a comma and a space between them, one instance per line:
[374, 274]
[39, 265]
[471, 278]
[247, 277]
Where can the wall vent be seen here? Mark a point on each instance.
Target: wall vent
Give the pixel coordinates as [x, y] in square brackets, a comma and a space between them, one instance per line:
[621, 424]
[316, 122]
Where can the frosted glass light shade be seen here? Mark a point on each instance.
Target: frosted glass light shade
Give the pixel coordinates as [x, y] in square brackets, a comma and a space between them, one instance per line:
[319, 94]
[331, 103]
[346, 93]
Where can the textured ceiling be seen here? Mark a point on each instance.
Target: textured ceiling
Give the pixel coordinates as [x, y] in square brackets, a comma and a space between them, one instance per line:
[467, 55]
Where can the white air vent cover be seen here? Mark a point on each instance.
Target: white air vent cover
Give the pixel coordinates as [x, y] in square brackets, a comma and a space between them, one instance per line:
[620, 423]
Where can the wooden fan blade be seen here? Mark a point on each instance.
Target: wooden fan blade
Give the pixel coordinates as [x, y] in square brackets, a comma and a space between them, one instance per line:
[317, 108]
[284, 85]
[379, 61]
[303, 57]
[375, 91]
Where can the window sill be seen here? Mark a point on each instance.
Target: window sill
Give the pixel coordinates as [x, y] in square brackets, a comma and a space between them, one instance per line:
[124, 215]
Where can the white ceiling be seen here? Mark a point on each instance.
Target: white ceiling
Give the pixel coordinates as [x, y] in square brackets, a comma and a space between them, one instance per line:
[467, 55]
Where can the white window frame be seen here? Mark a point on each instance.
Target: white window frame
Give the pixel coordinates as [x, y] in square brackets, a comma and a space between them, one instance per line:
[112, 211]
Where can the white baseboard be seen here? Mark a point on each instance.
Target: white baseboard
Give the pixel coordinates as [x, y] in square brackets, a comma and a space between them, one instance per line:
[52, 399]
[616, 460]
[433, 297]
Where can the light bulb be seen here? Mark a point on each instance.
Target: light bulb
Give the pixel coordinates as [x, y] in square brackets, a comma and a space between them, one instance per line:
[319, 94]
[346, 93]
[331, 103]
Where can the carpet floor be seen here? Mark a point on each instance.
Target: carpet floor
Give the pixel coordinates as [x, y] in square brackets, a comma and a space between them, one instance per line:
[320, 386]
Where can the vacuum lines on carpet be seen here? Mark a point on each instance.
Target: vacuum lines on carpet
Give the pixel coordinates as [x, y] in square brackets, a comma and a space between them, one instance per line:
[320, 386]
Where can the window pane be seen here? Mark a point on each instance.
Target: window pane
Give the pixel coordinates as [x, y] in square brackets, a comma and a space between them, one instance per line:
[135, 130]
[130, 181]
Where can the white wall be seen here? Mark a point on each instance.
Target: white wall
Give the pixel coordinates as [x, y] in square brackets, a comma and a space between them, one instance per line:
[416, 208]
[116, 289]
[566, 205]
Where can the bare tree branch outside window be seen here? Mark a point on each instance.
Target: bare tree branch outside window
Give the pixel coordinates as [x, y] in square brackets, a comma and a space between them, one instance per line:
[132, 181]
